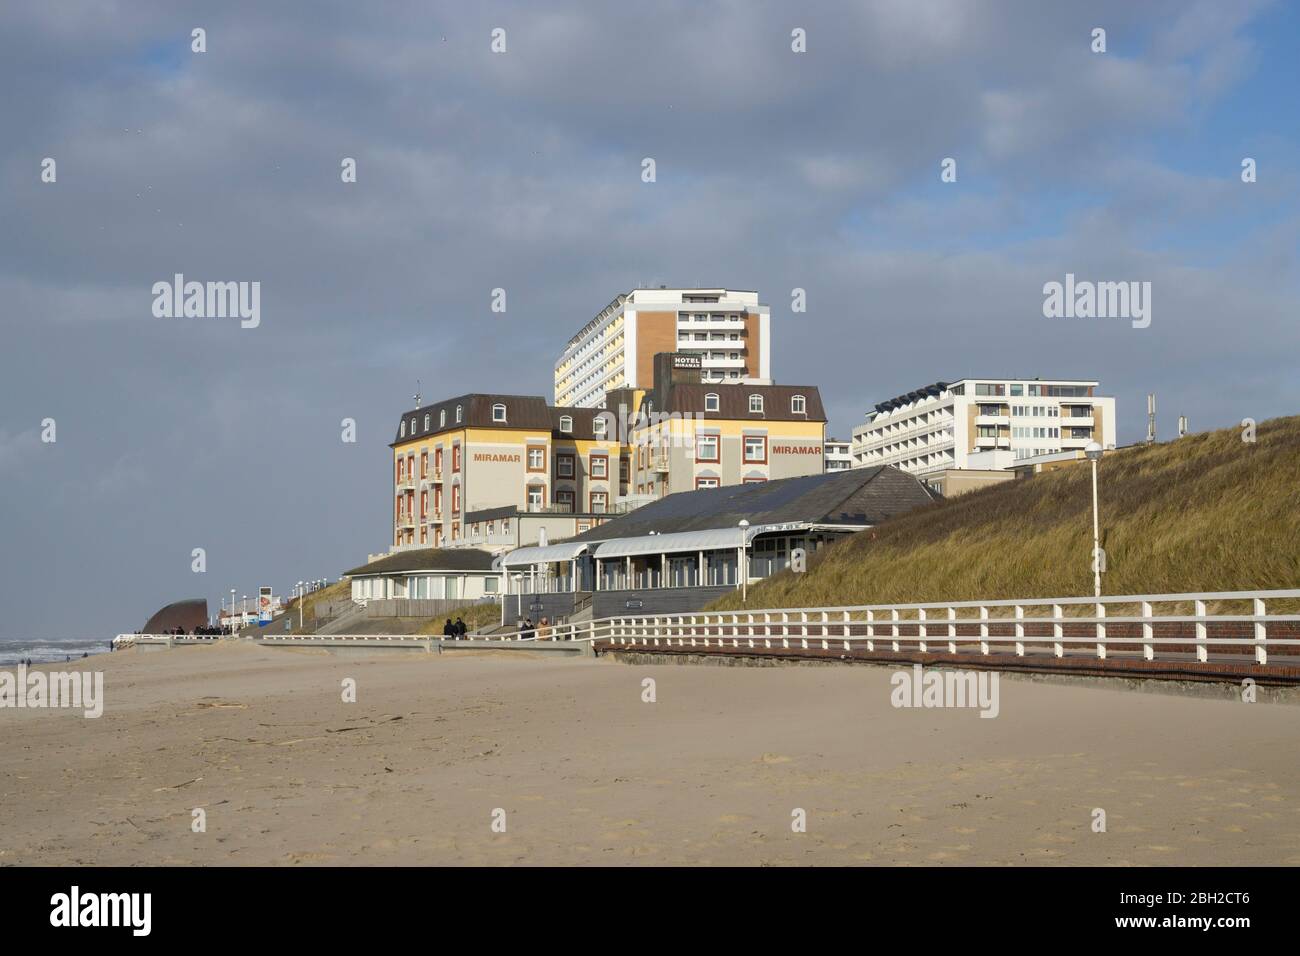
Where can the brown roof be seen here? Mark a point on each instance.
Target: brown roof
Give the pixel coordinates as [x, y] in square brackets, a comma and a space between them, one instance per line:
[427, 559]
[530, 412]
[733, 401]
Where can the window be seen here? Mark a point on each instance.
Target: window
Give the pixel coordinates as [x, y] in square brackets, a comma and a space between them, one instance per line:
[706, 447]
[598, 426]
[756, 448]
[566, 424]
[599, 500]
[455, 530]
[428, 420]
[455, 458]
[564, 499]
[599, 466]
[437, 499]
[402, 431]
[401, 469]
[756, 404]
[455, 499]
[798, 405]
[424, 464]
[424, 504]
[754, 481]
[412, 424]
[706, 483]
[505, 525]
[536, 458]
[437, 460]
[442, 418]
[563, 466]
[498, 413]
[535, 497]
[1017, 390]
[711, 402]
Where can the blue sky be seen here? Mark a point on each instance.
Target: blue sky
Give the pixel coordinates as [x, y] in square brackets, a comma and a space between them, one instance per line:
[776, 170]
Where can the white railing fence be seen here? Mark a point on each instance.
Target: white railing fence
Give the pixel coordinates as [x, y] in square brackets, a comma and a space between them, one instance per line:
[1177, 623]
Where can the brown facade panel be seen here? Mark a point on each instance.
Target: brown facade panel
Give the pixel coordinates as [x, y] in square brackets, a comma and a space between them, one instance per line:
[655, 332]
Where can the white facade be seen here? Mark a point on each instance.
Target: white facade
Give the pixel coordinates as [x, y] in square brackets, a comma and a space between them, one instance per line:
[431, 585]
[956, 425]
[729, 329]
[838, 455]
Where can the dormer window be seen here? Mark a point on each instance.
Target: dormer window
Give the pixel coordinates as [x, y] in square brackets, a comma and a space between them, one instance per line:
[402, 431]
[428, 420]
[712, 402]
[412, 424]
[498, 413]
[494, 408]
[798, 405]
[756, 404]
[598, 426]
[566, 424]
[442, 418]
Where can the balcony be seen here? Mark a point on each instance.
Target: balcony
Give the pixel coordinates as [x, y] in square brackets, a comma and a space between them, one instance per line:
[433, 476]
[723, 362]
[998, 419]
[660, 464]
[405, 520]
[406, 484]
[988, 441]
[687, 320]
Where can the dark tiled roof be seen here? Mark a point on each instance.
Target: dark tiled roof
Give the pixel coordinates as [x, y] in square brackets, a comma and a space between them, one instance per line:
[863, 496]
[428, 559]
[522, 411]
[529, 412]
[733, 401]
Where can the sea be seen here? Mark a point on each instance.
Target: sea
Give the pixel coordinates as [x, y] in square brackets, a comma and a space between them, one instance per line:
[47, 650]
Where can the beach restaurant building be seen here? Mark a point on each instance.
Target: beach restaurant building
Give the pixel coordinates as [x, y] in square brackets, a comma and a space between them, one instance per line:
[685, 550]
[434, 574]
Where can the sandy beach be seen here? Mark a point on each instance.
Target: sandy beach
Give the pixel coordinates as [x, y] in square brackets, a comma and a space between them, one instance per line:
[588, 773]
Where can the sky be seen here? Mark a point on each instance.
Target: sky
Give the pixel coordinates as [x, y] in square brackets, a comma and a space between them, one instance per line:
[775, 170]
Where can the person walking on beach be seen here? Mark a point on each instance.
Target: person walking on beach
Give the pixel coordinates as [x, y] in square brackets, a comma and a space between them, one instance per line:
[461, 629]
[449, 630]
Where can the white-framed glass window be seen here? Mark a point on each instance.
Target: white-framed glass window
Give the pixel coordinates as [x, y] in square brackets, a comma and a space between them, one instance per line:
[442, 418]
[599, 466]
[756, 403]
[498, 413]
[566, 424]
[712, 402]
[402, 430]
[755, 448]
[428, 420]
[706, 447]
[798, 405]
[459, 413]
[535, 493]
[536, 458]
[598, 425]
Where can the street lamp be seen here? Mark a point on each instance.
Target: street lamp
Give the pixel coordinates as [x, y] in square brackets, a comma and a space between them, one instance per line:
[300, 598]
[232, 611]
[1093, 451]
[243, 611]
[743, 564]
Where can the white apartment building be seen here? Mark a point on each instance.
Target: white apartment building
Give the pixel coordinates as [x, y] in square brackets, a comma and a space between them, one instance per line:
[837, 455]
[728, 329]
[983, 423]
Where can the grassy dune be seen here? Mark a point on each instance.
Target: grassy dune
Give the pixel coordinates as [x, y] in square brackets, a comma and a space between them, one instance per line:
[1208, 512]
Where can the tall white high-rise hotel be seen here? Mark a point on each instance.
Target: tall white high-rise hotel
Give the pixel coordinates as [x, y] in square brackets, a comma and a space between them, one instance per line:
[728, 329]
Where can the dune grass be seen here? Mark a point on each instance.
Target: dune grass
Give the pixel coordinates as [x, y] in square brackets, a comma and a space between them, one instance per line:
[1208, 512]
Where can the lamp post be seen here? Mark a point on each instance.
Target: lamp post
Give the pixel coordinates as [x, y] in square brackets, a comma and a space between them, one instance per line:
[232, 610]
[743, 564]
[1093, 451]
[243, 611]
[301, 595]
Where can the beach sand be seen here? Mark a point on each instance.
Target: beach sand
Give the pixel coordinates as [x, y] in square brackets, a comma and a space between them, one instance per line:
[587, 773]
